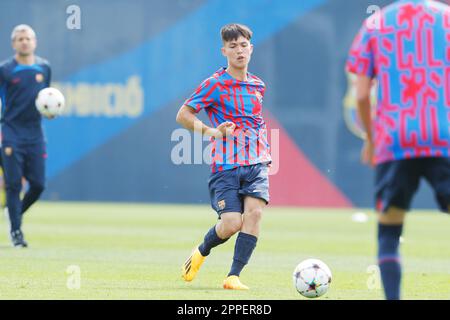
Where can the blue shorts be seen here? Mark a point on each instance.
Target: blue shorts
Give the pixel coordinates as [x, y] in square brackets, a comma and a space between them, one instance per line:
[23, 160]
[397, 181]
[229, 187]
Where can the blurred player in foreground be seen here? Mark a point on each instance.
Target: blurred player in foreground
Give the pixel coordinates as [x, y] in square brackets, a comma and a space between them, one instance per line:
[239, 183]
[405, 48]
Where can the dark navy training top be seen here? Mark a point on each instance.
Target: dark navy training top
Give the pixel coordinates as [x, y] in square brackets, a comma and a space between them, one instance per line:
[19, 87]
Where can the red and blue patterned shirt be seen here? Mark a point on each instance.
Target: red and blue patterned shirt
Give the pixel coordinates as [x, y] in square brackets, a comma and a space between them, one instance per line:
[406, 47]
[225, 98]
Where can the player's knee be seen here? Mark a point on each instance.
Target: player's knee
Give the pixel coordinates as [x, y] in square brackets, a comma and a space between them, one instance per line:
[233, 225]
[392, 216]
[255, 214]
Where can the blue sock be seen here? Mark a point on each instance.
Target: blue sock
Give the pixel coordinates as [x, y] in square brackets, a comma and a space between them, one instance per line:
[245, 244]
[389, 259]
[210, 241]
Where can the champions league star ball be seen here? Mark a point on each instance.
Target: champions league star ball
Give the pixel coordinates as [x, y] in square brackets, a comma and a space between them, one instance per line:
[50, 102]
[312, 278]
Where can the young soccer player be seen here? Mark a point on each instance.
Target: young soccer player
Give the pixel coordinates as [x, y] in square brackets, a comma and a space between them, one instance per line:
[239, 183]
[23, 146]
[406, 49]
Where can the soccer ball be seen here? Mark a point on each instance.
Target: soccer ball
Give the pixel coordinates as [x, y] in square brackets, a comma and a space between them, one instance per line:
[50, 102]
[312, 278]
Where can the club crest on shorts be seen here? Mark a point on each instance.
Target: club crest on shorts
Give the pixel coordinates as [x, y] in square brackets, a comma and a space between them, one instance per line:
[221, 204]
[39, 77]
[8, 151]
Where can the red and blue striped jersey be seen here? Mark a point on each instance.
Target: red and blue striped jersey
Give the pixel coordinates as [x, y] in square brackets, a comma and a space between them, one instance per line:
[225, 98]
[406, 47]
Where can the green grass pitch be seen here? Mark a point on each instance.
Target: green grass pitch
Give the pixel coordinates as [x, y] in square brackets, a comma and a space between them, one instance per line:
[132, 251]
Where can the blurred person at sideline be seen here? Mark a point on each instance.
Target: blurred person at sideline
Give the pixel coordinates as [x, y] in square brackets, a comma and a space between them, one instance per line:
[23, 146]
[405, 48]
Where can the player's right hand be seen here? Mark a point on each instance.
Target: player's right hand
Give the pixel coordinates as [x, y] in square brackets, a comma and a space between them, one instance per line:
[226, 128]
[368, 153]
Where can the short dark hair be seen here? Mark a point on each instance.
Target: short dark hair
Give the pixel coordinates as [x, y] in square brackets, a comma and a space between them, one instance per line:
[233, 31]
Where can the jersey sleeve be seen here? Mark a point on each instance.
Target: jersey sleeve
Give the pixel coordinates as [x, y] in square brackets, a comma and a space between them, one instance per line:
[361, 60]
[204, 96]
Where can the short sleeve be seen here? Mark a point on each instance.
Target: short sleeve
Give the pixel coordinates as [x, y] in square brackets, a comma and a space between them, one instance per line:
[204, 96]
[361, 60]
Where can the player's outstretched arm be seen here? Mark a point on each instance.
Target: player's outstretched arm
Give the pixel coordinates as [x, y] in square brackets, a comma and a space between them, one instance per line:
[187, 118]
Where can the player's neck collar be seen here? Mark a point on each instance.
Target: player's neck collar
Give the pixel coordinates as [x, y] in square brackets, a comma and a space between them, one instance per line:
[225, 69]
[25, 64]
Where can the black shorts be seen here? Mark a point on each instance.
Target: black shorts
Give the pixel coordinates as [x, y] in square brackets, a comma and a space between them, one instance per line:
[397, 181]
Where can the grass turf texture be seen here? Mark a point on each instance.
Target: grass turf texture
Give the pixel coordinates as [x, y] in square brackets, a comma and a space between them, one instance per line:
[131, 251]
